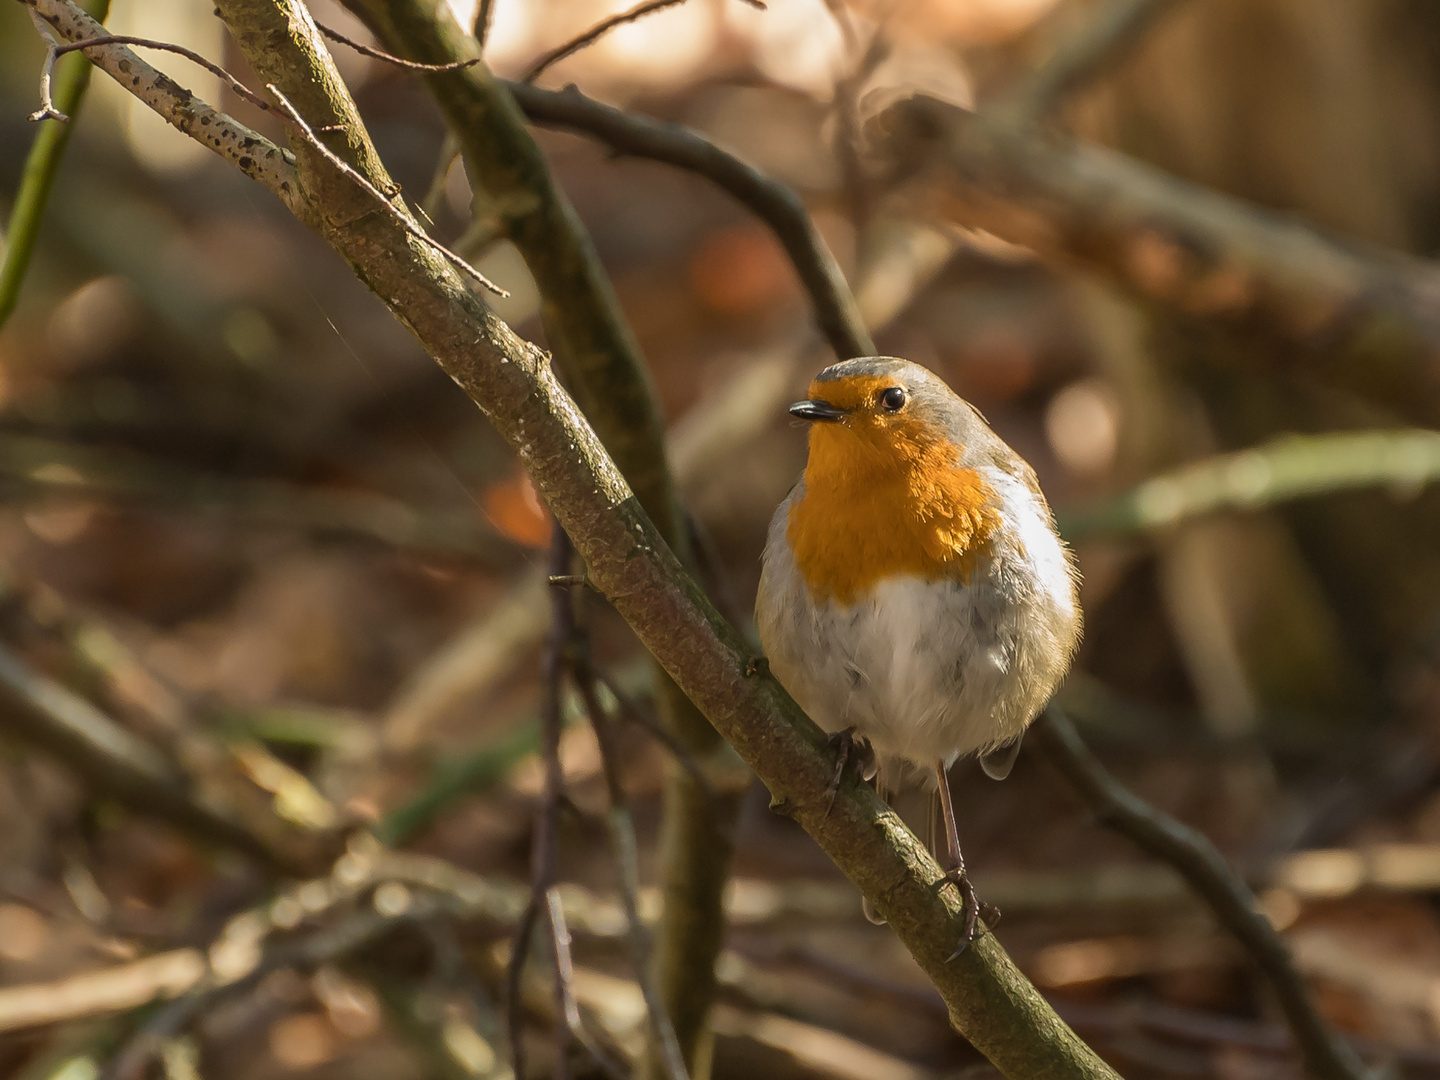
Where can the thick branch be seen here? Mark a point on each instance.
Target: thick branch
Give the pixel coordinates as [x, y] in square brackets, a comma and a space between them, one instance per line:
[772, 202]
[586, 330]
[1326, 1055]
[1190, 248]
[988, 999]
[602, 365]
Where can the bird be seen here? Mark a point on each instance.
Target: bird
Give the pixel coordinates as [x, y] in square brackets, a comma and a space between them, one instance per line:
[915, 596]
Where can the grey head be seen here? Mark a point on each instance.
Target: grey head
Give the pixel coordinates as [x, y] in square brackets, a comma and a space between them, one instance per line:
[890, 384]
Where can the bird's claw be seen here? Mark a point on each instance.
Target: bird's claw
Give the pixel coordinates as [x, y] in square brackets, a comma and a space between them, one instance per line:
[974, 908]
[848, 747]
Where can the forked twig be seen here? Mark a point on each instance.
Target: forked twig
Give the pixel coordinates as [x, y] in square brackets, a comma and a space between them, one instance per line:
[600, 29]
[404, 220]
[54, 50]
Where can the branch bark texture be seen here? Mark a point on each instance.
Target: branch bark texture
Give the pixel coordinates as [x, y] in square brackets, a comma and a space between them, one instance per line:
[988, 999]
[601, 361]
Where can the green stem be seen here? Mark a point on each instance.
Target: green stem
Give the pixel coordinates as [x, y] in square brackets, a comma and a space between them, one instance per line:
[72, 76]
[1291, 467]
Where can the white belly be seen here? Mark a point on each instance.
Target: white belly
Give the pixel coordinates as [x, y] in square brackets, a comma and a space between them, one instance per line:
[926, 670]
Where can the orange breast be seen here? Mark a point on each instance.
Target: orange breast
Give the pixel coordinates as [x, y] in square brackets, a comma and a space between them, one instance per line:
[873, 510]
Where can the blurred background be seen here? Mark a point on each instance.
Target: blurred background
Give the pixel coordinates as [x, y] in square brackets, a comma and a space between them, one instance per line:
[248, 519]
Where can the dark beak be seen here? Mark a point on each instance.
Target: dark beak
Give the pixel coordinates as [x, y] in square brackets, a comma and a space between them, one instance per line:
[816, 410]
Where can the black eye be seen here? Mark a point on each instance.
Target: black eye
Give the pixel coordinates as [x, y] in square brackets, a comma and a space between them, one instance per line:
[893, 400]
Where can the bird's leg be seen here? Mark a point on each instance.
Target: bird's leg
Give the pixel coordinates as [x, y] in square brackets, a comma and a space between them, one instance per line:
[955, 872]
[849, 747]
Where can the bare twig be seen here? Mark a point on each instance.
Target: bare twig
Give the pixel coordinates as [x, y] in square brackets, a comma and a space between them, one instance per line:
[47, 108]
[252, 153]
[623, 846]
[565, 989]
[995, 1007]
[515, 983]
[600, 29]
[406, 222]
[1101, 43]
[542, 850]
[648, 722]
[1233, 904]
[389, 58]
[773, 202]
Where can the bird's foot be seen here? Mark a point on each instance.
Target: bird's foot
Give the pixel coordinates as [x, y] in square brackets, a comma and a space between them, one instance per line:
[849, 747]
[974, 909]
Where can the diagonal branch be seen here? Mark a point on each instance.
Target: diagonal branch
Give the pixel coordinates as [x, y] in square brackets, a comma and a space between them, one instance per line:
[987, 998]
[1192, 249]
[602, 364]
[1327, 1057]
[771, 201]
[249, 151]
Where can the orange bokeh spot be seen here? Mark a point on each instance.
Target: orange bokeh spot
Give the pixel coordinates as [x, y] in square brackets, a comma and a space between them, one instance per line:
[516, 511]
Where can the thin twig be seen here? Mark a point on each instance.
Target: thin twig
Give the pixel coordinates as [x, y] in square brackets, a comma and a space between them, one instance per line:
[54, 51]
[600, 29]
[624, 850]
[649, 723]
[542, 847]
[390, 58]
[1233, 904]
[565, 988]
[399, 215]
[514, 985]
[245, 148]
[771, 201]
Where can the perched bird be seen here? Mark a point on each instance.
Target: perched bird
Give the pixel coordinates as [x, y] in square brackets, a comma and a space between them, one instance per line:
[915, 598]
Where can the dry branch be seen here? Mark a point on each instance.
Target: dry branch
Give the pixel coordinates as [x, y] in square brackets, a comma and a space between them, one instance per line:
[988, 999]
[602, 364]
[1189, 248]
[600, 29]
[1327, 1056]
[772, 202]
[253, 154]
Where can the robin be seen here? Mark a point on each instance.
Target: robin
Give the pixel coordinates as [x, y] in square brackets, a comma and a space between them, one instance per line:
[915, 598]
